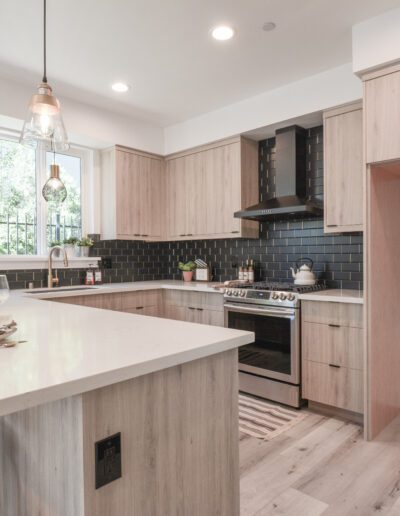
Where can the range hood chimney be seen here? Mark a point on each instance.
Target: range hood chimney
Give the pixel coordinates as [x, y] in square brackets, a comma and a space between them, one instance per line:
[290, 197]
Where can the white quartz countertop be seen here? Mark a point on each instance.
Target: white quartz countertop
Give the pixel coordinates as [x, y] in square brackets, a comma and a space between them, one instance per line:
[72, 349]
[335, 296]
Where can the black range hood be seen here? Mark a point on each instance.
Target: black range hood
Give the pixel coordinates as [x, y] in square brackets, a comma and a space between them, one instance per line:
[290, 199]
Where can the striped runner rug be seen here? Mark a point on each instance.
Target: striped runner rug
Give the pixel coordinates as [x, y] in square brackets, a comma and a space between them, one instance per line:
[265, 420]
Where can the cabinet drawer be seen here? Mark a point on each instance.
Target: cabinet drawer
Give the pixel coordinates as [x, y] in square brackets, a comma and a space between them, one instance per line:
[323, 312]
[338, 345]
[340, 387]
[141, 298]
[207, 300]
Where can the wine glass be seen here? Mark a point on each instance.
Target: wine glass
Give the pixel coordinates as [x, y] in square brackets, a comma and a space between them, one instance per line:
[4, 288]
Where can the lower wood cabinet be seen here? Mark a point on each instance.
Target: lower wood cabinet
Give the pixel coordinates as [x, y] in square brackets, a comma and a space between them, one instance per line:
[191, 306]
[332, 354]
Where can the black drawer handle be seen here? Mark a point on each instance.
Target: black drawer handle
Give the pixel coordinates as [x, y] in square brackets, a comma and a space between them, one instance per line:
[334, 325]
[200, 309]
[182, 235]
[335, 366]
[144, 235]
[191, 308]
[139, 307]
[137, 234]
[235, 232]
[189, 234]
[331, 225]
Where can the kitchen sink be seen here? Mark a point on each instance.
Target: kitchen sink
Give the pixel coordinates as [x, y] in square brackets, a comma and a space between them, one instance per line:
[59, 289]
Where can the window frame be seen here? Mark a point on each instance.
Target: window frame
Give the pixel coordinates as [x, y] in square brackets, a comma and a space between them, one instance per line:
[86, 156]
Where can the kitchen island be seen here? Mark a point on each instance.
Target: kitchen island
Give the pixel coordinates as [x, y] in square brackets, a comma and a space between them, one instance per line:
[166, 389]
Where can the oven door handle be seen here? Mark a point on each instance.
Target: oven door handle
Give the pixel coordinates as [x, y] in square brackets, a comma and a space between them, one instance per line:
[270, 312]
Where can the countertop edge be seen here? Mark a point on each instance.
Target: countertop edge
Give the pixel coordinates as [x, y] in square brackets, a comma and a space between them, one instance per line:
[79, 386]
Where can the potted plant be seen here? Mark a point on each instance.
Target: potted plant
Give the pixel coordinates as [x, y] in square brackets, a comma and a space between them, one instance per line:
[187, 270]
[84, 246]
[70, 246]
[55, 243]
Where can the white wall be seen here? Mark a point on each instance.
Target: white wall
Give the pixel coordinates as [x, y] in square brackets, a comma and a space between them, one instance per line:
[376, 41]
[315, 93]
[86, 125]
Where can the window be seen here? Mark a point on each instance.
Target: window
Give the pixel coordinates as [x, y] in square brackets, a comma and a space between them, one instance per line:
[28, 224]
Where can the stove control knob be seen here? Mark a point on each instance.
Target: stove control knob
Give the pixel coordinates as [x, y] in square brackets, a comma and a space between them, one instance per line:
[242, 293]
[282, 296]
[275, 295]
[235, 292]
[229, 292]
[291, 297]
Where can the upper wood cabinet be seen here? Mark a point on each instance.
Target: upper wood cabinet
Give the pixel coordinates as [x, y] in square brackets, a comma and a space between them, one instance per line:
[343, 168]
[132, 195]
[206, 185]
[382, 114]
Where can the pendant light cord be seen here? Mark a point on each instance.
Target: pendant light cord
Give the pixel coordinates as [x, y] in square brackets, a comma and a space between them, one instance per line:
[44, 42]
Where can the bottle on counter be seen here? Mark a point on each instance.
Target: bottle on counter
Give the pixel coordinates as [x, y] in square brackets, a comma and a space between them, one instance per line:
[89, 278]
[98, 276]
[240, 276]
[251, 271]
[246, 271]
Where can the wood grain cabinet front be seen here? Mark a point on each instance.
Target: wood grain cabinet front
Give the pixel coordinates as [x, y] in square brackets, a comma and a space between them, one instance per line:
[343, 169]
[206, 185]
[132, 195]
[332, 354]
[382, 114]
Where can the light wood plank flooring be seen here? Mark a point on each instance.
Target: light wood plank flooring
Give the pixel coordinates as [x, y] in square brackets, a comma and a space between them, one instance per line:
[322, 466]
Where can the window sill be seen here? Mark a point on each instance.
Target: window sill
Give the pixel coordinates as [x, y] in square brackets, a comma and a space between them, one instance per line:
[19, 262]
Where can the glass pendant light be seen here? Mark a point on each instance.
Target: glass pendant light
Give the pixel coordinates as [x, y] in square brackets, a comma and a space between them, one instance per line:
[54, 190]
[44, 121]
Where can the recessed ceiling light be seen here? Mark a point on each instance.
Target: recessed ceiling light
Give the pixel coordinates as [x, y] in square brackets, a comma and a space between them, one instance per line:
[268, 26]
[222, 33]
[120, 87]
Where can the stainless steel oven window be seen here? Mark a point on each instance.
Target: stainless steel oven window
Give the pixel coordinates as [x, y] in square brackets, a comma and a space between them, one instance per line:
[290, 315]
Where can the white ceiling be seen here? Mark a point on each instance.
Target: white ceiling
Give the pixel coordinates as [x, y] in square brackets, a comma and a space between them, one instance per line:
[164, 50]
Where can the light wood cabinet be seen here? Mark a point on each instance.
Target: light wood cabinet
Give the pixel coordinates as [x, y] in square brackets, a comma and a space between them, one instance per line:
[382, 114]
[132, 195]
[205, 186]
[343, 169]
[332, 354]
[196, 307]
[191, 306]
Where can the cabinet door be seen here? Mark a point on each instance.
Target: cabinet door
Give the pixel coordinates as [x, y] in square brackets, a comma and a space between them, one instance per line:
[150, 197]
[223, 189]
[177, 198]
[343, 165]
[196, 194]
[129, 168]
[382, 116]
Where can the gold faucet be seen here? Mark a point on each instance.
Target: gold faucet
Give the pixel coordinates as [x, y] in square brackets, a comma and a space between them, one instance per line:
[50, 279]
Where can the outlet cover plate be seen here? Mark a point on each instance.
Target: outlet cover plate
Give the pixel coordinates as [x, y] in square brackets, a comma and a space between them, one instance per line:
[108, 460]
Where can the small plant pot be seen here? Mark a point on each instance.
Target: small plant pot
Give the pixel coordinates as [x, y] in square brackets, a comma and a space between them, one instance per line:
[70, 250]
[84, 251]
[187, 275]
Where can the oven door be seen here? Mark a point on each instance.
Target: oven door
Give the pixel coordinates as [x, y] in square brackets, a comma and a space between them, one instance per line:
[275, 353]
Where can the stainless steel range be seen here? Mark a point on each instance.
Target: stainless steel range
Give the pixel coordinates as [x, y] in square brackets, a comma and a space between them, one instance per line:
[270, 366]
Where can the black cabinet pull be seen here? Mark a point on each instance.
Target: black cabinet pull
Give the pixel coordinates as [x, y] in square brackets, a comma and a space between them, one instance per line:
[335, 366]
[137, 234]
[182, 235]
[334, 325]
[144, 235]
[139, 307]
[331, 225]
[200, 309]
[191, 308]
[235, 231]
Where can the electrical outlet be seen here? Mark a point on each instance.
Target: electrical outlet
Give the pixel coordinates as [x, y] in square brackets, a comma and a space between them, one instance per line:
[108, 460]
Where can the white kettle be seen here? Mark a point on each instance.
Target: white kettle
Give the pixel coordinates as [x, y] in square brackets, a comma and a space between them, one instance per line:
[303, 274]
